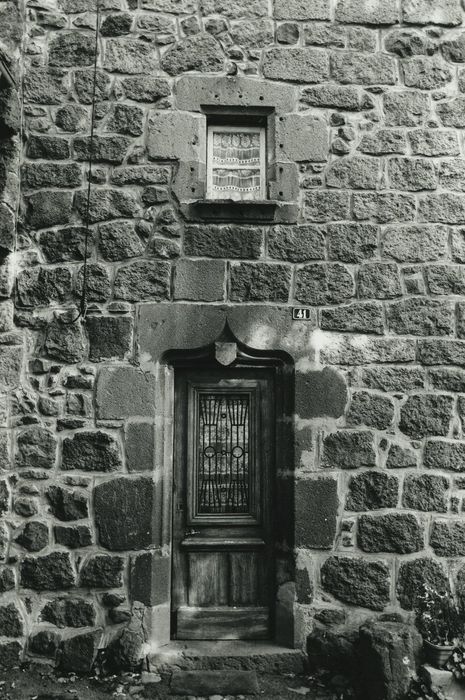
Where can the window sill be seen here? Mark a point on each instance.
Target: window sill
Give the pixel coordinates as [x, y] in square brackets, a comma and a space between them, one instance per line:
[251, 211]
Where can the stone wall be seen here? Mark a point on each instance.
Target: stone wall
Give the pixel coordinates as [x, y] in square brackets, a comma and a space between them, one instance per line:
[371, 138]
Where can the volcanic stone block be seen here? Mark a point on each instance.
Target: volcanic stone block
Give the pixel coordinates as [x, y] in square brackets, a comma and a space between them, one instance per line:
[354, 318]
[296, 243]
[352, 243]
[441, 352]
[111, 149]
[448, 13]
[109, 337]
[105, 204]
[426, 414]
[371, 410]
[36, 447]
[4, 496]
[130, 56]
[64, 341]
[67, 505]
[260, 282]
[303, 586]
[301, 9]
[150, 579]
[301, 65]
[7, 580]
[139, 442]
[419, 243]
[447, 379]
[69, 612]
[124, 392]
[200, 52]
[400, 458]
[33, 537]
[357, 581]
[51, 147]
[48, 208]
[337, 97]
[426, 73]
[38, 175]
[10, 654]
[448, 538]
[200, 280]
[223, 241]
[64, 244]
[118, 240]
[419, 316]
[383, 141]
[302, 137]
[442, 454]
[348, 450]
[163, 130]
[316, 504]
[323, 283]
[434, 142]
[412, 174]
[413, 574]
[11, 623]
[388, 651]
[73, 537]
[71, 49]
[102, 571]
[43, 86]
[360, 12]
[71, 118]
[393, 532]
[77, 654]
[133, 497]
[320, 393]
[444, 208]
[145, 279]
[353, 67]
[379, 281]
[145, 88]
[91, 451]
[126, 119]
[371, 491]
[357, 172]
[426, 492]
[405, 108]
[52, 572]
[39, 286]
[384, 207]
[44, 643]
[359, 350]
[84, 85]
[322, 206]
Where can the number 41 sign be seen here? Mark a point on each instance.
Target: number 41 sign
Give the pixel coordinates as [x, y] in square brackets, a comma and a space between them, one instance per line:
[300, 313]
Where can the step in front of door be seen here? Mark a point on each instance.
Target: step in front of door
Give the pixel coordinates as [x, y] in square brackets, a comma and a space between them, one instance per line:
[207, 683]
[263, 657]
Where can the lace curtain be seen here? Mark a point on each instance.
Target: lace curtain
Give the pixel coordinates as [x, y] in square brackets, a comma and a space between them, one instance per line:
[236, 165]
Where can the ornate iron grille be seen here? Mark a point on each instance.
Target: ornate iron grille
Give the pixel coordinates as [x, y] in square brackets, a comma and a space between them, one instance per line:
[223, 474]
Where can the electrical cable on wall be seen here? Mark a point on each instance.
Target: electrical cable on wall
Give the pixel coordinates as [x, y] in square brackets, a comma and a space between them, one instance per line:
[83, 301]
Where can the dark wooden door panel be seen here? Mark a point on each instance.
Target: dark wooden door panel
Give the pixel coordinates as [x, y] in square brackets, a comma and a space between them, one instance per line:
[223, 623]
[224, 451]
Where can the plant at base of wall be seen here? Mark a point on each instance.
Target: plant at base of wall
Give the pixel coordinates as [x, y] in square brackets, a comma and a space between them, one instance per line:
[440, 624]
[456, 663]
[419, 691]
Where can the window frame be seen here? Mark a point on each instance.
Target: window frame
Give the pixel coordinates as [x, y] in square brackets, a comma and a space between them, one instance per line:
[231, 128]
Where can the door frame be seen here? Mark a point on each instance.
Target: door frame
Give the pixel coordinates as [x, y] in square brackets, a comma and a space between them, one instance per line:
[281, 611]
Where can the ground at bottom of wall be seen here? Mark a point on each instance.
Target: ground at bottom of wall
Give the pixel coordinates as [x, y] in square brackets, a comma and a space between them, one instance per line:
[39, 682]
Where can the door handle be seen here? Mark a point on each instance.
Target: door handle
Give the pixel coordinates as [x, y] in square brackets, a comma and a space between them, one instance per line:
[190, 532]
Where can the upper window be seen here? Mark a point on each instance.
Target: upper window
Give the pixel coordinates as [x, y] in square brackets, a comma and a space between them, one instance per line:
[236, 162]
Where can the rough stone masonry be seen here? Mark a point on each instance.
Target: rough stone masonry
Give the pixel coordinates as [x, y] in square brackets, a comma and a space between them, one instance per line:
[370, 236]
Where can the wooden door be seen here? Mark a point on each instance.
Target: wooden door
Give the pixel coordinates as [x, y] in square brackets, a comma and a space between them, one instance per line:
[223, 478]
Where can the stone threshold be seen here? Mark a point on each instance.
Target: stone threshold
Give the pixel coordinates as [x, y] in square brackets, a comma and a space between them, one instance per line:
[263, 657]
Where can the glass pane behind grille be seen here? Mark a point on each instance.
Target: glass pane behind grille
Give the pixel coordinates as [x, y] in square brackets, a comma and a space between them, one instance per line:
[223, 466]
